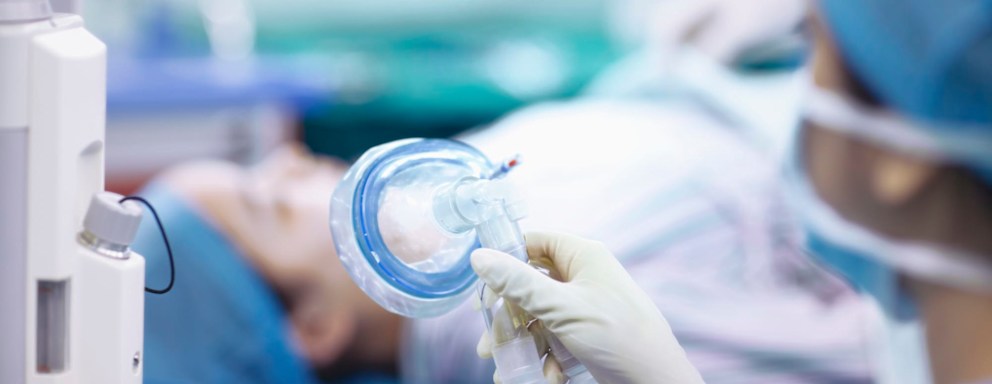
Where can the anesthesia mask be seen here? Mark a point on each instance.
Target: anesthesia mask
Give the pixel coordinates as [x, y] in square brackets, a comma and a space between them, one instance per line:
[406, 218]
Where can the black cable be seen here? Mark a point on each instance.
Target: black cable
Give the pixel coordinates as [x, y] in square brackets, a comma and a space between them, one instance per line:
[168, 248]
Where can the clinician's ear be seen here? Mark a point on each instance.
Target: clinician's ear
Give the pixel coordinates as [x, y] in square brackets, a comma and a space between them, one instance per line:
[896, 178]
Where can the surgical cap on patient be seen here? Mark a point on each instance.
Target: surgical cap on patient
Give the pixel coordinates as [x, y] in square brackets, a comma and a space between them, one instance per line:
[929, 60]
[221, 323]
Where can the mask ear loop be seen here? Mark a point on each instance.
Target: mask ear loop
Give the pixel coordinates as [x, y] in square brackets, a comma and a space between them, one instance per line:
[165, 239]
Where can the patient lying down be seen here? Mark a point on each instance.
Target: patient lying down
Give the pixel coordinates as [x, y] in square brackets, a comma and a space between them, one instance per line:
[272, 217]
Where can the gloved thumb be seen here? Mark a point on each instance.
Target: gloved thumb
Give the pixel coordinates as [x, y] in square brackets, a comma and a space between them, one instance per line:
[515, 280]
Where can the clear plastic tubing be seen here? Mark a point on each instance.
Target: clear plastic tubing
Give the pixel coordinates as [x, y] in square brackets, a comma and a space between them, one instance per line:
[492, 209]
[514, 348]
[570, 365]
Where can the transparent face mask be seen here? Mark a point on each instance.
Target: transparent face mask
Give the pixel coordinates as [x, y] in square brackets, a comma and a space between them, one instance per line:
[386, 233]
[405, 220]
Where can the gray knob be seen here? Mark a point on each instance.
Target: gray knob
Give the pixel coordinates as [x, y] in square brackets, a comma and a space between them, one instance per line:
[110, 221]
[24, 10]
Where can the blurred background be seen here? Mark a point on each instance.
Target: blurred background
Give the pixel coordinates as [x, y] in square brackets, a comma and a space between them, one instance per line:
[231, 79]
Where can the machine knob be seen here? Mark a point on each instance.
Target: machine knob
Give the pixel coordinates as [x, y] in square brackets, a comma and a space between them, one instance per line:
[111, 221]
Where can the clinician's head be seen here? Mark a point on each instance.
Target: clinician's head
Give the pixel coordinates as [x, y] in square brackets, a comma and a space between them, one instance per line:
[898, 141]
[900, 194]
[898, 137]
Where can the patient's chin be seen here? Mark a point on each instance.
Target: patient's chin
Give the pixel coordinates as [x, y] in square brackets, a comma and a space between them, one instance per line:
[348, 365]
[327, 340]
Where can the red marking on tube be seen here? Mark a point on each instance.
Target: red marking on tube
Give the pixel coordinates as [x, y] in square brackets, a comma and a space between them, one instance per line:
[512, 163]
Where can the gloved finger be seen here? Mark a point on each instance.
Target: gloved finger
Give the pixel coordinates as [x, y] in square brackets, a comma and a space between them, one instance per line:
[730, 34]
[515, 281]
[736, 27]
[674, 23]
[485, 346]
[569, 254]
[552, 371]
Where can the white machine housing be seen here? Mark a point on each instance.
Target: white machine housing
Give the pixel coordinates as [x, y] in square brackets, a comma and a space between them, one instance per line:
[69, 315]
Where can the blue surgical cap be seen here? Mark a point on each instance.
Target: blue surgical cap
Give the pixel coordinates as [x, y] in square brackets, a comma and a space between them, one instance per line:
[930, 60]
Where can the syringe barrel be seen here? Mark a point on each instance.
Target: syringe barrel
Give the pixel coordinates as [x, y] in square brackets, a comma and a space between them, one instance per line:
[514, 348]
[517, 361]
[570, 365]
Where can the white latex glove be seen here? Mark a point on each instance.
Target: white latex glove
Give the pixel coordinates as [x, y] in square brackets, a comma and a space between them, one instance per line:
[597, 310]
[724, 29]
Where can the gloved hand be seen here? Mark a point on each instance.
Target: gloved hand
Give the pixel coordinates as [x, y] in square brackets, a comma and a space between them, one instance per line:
[725, 29]
[596, 310]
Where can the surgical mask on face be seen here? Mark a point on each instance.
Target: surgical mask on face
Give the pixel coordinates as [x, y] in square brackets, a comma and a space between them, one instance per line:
[896, 338]
[871, 262]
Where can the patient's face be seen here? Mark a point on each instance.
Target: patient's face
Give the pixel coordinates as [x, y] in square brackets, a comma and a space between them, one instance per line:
[276, 213]
[283, 205]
